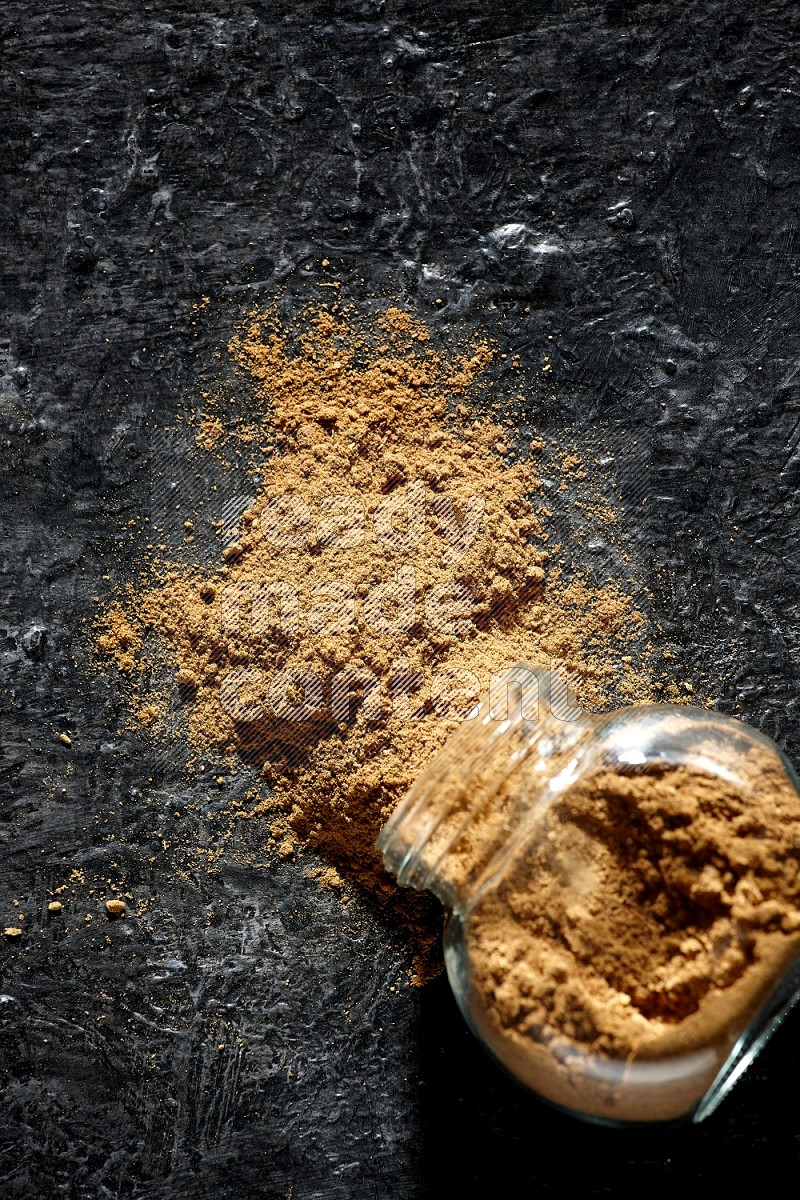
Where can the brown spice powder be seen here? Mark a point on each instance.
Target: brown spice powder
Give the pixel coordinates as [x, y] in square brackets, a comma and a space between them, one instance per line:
[120, 639]
[648, 921]
[209, 432]
[395, 553]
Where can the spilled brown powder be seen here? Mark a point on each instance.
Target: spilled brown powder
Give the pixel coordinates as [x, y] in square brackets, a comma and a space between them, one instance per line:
[119, 638]
[209, 432]
[393, 559]
[648, 921]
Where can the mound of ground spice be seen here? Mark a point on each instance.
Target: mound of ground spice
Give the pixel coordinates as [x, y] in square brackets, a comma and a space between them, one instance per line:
[393, 560]
[619, 960]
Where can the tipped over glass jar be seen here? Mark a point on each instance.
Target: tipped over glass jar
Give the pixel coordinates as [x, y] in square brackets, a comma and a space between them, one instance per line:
[623, 895]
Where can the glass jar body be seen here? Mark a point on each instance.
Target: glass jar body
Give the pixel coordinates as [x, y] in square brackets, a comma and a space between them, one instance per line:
[606, 1089]
[623, 930]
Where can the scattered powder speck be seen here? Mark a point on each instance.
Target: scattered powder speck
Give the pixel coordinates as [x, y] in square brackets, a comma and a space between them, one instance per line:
[209, 432]
[120, 638]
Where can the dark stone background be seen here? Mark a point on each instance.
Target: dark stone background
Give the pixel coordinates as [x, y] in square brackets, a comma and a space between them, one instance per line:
[626, 172]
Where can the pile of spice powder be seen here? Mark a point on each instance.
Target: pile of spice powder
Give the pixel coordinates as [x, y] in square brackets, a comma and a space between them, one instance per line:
[392, 562]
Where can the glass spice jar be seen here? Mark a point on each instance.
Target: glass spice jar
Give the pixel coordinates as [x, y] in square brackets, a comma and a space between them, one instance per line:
[623, 894]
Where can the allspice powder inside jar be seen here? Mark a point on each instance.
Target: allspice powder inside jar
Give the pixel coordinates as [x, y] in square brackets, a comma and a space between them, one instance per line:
[625, 899]
[648, 924]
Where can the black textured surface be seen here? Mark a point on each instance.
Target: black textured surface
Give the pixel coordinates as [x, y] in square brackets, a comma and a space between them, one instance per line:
[621, 176]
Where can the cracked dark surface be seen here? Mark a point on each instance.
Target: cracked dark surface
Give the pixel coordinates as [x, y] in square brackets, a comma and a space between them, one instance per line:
[623, 177]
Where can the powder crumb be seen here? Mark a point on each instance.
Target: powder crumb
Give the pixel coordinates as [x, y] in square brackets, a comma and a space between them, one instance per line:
[288, 846]
[120, 641]
[55, 907]
[147, 715]
[115, 908]
[329, 877]
[398, 322]
[571, 464]
[209, 433]
[12, 932]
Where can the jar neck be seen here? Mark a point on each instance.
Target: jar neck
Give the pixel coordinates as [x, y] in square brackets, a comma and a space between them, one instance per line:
[485, 787]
